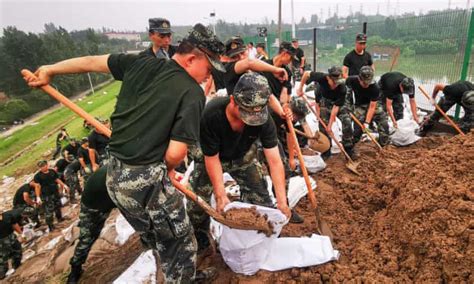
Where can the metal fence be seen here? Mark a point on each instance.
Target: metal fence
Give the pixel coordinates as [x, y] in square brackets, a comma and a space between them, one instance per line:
[432, 48]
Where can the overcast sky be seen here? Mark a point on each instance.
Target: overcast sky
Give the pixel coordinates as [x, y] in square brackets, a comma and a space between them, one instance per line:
[31, 15]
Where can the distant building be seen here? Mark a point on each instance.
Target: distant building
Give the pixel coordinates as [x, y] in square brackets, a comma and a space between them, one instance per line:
[125, 36]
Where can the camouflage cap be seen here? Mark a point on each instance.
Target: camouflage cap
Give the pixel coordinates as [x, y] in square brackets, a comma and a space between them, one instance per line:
[366, 74]
[408, 85]
[362, 38]
[335, 72]
[206, 41]
[467, 99]
[251, 94]
[160, 25]
[41, 163]
[288, 47]
[298, 107]
[235, 45]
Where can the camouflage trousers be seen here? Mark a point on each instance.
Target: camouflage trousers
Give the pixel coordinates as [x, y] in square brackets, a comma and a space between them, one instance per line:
[153, 207]
[467, 103]
[253, 189]
[91, 222]
[343, 115]
[10, 247]
[72, 181]
[30, 211]
[51, 205]
[397, 105]
[380, 118]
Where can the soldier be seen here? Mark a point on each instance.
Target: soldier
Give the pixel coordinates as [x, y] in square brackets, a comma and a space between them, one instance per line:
[299, 61]
[460, 92]
[97, 146]
[150, 138]
[24, 199]
[261, 53]
[95, 209]
[62, 136]
[48, 180]
[61, 165]
[71, 148]
[229, 127]
[10, 247]
[240, 63]
[393, 85]
[330, 101]
[357, 58]
[71, 178]
[160, 34]
[84, 158]
[367, 105]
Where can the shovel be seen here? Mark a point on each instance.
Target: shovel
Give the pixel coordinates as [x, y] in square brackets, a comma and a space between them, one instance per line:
[188, 193]
[323, 227]
[372, 138]
[423, 91]
[350, 165]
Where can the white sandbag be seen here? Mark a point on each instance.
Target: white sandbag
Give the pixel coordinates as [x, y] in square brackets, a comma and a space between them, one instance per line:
[124, 230]
[299, 252]
[297, 189]
[243, 250]
[143, 270]
[405, 134]
[313, 163]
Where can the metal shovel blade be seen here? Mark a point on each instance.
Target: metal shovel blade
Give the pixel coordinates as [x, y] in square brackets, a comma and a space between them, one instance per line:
[352, 166]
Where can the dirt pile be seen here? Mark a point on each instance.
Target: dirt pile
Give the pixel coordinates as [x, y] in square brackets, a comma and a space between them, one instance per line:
[407, 218]
[250, 217]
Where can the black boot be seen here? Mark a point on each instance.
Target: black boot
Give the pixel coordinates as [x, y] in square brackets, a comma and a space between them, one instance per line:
[75, 274]
[16, 263]
[51, 227]
[295, 217]
[352, 153]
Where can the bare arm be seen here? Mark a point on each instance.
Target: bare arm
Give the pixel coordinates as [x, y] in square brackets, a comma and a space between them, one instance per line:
[436, 89]
[284, 96]
[390, 112]
[84, 64]
[247, 64]
[304, 78]
[214, 171]
[332, 118]
[27, 198]
[37, 187]
[370, 112]
[275, 105]
[345, 71]
[17, 228]
[277, 173]
[175, 154]
[414, 110]
[93, 159]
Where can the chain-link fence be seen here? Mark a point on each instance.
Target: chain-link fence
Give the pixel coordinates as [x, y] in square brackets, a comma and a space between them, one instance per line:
[433, 48]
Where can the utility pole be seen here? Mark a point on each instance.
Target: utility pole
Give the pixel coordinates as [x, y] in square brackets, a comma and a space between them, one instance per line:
[293, 26]
[279, 22]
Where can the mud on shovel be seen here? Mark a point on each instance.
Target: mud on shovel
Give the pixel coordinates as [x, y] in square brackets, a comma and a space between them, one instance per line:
[350, 165]
[236, 224]
[323, 227]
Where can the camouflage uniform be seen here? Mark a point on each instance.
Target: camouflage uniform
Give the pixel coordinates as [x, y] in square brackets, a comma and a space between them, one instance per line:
[343, 115]
[29, 211]
[248, 174]
[50, 207]
[72, 181]
[397, 105]
[10, 247]
[380, 118]
[467, 102]
[91, 222]
[149, 202]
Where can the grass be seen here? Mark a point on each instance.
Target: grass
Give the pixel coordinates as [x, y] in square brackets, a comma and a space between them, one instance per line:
[100, 104]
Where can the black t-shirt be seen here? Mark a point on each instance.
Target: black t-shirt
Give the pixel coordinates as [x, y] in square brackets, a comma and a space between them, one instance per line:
[355, 61]
[84, 154]
[275, 85]
[390, 85]
[47, 182]
[299, 54]
[336, 96]
[7, 220]
[456, 90]
[98, 142]
[61, 136]
[95, 194]
[72, 150]
[18, 199]
[218, 137]
[230, 77]
[158, 101]
[61, 165]
[363, 95]
[149, 51]
[218, 78]
[73, 167]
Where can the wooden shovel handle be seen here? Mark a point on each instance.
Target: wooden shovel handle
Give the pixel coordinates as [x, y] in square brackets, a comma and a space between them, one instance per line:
[69, 104]
[365, 130]
[423, 91]
[312, 197]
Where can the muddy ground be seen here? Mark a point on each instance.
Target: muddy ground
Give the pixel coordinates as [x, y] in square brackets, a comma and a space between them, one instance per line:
[407, 218]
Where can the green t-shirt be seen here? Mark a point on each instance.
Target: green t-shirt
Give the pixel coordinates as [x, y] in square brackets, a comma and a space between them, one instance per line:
[158, 102]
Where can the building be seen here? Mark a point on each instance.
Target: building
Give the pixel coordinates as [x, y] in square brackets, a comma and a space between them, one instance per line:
[124, 35]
